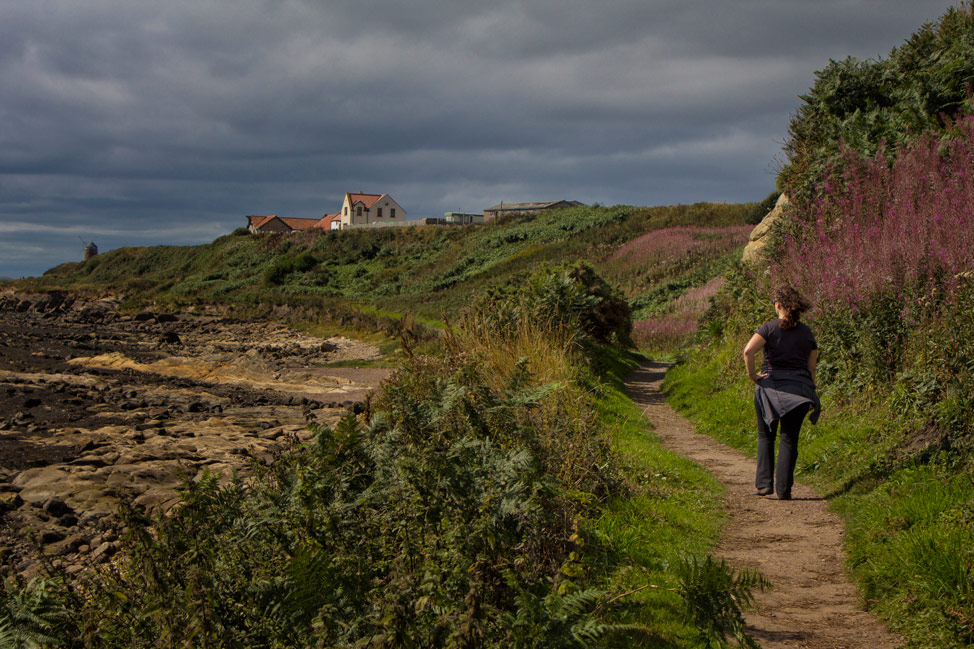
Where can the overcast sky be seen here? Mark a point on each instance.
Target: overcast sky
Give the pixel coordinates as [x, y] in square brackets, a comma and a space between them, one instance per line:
[129, 122]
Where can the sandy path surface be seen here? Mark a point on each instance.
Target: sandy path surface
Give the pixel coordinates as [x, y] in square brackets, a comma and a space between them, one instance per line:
[796, 544]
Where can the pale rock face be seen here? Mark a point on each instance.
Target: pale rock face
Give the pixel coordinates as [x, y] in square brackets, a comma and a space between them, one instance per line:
[754, 251]
[98, 406]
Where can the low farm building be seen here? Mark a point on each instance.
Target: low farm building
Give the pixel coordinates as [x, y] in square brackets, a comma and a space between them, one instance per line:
[462, 218]
[518, 209]
[276, 223]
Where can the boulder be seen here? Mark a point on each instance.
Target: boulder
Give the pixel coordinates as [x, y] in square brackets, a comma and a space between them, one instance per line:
[51, 536]
[57, 507]
[758, 239]
[10, 500]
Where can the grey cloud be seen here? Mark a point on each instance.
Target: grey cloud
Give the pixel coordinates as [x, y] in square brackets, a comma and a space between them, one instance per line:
[115, 116]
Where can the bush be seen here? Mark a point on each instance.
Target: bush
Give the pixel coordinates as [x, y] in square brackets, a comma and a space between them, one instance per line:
[865, 104]
[282, 267]
[760, 210]
[570, 298]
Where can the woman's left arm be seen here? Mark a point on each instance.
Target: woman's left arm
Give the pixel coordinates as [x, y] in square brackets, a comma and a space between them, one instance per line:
[813, 363]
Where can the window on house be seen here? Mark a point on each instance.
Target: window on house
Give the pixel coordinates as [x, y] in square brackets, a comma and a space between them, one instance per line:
[346, 210]
[392, 212]
[358, 210]
[378, 212]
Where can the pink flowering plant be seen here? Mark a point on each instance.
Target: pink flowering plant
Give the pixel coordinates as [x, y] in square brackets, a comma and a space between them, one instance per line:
[669, 332]
[905, 227]
[885, 250]
[669, 252]
[669, 277]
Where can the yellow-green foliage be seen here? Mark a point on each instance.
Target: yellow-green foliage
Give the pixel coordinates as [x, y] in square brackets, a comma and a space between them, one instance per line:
[429, 271]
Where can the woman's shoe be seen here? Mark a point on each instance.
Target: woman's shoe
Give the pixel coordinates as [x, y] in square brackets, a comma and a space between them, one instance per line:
[764, 492]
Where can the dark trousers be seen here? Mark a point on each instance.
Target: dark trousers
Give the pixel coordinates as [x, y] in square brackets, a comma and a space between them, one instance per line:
[790, 425]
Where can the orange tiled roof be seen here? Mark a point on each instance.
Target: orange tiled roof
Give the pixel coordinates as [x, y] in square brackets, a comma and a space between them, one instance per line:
[368, 200]
[325, 221]
[296, 223]
[258, 221]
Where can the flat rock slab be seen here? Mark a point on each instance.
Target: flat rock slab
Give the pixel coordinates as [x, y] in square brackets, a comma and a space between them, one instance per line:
[96, 406]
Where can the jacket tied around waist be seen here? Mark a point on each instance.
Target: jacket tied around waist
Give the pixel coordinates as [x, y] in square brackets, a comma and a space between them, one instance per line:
[781, 391]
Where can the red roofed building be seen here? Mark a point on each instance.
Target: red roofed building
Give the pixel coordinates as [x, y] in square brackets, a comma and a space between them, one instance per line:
[370, 209]
[276, 223]
[358, 210]
[266, 224]
[330, 222]
[299, 223]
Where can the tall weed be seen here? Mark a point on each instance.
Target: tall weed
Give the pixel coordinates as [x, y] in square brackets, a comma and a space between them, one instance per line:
[670, 332]
[904, 227]
[668, 252]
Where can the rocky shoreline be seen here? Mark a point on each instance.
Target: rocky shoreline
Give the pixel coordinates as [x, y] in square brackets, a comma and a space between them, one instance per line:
[98, 406]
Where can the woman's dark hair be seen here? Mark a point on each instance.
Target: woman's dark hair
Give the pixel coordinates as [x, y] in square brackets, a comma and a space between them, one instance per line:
[793, 304]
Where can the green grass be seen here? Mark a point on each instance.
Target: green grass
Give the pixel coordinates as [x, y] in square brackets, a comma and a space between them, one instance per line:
[673, 512]
[429, 272]
[909, 518]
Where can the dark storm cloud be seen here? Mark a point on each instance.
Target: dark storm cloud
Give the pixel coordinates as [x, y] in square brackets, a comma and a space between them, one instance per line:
[135, 123]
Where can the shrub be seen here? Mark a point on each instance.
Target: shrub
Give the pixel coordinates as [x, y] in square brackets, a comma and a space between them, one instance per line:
[864, 104]
[760, 210]
[570, 298]
[282, 267]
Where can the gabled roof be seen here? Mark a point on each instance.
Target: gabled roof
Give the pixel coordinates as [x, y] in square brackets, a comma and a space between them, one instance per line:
[325, 221]
[296, 223]
[367, 200]
[258, 221]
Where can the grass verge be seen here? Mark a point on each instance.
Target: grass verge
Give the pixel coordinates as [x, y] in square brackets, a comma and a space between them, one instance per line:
[909, 515]
[672, 512]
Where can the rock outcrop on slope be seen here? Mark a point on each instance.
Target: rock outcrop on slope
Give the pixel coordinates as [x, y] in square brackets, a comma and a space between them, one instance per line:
[754, 252]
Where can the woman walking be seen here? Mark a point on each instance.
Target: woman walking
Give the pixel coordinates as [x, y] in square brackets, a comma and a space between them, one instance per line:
[784, 390]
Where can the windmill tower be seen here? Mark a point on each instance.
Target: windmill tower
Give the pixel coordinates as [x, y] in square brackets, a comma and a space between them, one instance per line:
[90, 249]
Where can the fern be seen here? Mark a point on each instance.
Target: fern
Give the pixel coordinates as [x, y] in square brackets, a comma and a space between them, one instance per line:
[561, 621]
[716, 596]
[30, 617]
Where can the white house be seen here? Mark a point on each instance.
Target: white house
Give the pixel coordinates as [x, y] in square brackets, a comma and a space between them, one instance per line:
[370, 209]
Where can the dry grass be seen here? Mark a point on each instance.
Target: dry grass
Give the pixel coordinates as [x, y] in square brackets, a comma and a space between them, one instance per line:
[550, 352]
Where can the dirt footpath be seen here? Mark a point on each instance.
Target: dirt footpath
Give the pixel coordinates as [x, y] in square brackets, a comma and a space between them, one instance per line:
[796, 544]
